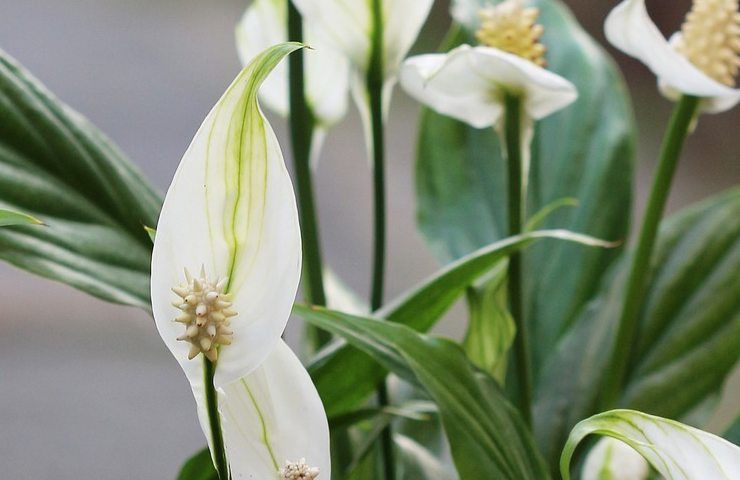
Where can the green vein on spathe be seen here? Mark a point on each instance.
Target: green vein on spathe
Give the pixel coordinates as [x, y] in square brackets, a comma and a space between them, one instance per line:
[246, 111]
[658, 448]
[263, 424]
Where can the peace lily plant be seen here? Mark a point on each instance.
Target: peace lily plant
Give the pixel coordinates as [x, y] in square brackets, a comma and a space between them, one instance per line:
[500, 83]
[230, 218]
[523, 190]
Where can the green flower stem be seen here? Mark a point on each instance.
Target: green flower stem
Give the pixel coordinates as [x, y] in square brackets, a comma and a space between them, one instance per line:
[302, 125]
[374, 81]
[678, 130]
[214, 420]
[512, 137]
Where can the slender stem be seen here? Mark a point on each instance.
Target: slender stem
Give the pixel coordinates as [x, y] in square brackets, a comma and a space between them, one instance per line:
[374, 81]
[512, 136]
[214, 420]
[301, 134]
[678, 130]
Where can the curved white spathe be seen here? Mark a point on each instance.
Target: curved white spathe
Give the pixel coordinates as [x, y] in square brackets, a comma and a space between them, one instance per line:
[615, 460]
[675, 450]
[468, 84]
[231, 210]
[264, 24]
[629, 28]
[272, 416]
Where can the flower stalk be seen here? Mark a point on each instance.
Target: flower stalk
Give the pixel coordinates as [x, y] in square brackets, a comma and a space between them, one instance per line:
[679, 127]
[302, 124]
[513, 144]
[214, 420]
[375, 80]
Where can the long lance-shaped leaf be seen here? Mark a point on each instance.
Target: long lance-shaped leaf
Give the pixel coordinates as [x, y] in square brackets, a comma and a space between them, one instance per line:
[688, 336]
[486, 435]
[675, 450]
[9, 218]
[419, 309]
[55, 165]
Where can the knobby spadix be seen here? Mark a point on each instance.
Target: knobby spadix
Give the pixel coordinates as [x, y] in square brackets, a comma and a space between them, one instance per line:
[701, 60]
[469, 82]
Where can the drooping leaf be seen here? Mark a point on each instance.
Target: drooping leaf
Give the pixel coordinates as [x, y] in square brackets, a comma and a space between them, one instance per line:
[420, 309]
[583, 152]
[198, 467]
[485, 432]
[676, 451]
[688, 335]
[55, 165]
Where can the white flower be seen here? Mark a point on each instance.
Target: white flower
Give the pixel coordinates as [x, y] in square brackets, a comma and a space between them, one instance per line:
[347, 26]
[225, 270]
[701, 60]
[327, 73]
[676, 451]
[469, 83]
[614, 460]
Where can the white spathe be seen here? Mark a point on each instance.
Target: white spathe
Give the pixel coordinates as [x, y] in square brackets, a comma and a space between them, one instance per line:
[614, 460]
[630, 29]
[273, 416]
[231, 212]
[347, 26]
[264, 24]
[468, 84]
[675, 450]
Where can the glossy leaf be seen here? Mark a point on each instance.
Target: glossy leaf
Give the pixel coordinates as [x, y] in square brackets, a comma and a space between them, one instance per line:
[689, 328]
[584, 152]
[416, 462]
[198, 467]
[485, 432]
[55, 165]
[419, 309]
[9, 218]
[676, 451]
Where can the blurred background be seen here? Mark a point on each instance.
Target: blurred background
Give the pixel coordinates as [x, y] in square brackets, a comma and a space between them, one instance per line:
[87, 389]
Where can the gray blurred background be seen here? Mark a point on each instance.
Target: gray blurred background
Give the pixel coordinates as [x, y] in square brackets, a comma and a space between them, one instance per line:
[87, 389]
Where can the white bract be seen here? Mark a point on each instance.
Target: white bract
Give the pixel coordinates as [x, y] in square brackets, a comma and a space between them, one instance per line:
[347, 26]
[701, 60]
[469, 82]
[225, 270]
[612, 459]
[676, 451]
[264, 24]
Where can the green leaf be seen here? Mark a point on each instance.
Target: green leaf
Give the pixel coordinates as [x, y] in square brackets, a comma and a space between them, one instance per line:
[9, 218]
[419, 309]
[199, 467]
[55, 165]
[583, 152]
[733, 433]
[416, 462]
[485, 432]
[688, 336]
[676, 451]
[491, 329]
